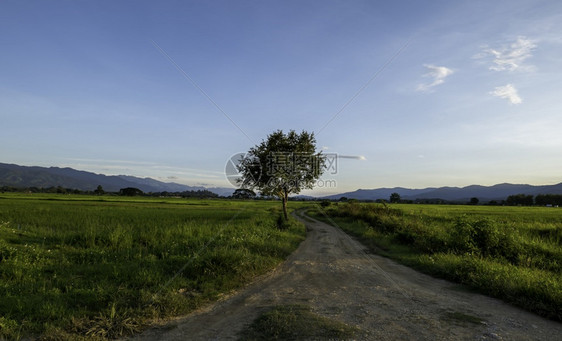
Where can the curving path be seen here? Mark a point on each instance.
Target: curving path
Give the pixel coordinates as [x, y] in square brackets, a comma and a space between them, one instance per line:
[338, 278]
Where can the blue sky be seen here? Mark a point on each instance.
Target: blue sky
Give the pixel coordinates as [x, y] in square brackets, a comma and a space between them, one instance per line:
[445, 93]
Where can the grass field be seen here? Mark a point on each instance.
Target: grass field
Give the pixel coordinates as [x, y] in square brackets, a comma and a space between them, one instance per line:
[91, 267]
[101, 267]
[513, 253]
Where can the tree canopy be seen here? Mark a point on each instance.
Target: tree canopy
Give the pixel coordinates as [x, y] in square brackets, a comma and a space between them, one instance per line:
[520, 199]
[243, 193]
[99, 190]
[130, 191]
[282, 164]
[395, 198]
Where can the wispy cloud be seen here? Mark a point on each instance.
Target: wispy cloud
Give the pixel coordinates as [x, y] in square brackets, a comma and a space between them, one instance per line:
[354, 157]
[512, 56]
[437, 74]
[341, 156]
[508, 92]
[142, 168]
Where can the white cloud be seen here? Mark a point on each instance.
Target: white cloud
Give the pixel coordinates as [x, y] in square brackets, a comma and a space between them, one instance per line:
[437, 74]
[355, 157]
[508, 92]
[512, 56]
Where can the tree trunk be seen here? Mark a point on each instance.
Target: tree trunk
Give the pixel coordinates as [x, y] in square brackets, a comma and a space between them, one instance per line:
[285, 199]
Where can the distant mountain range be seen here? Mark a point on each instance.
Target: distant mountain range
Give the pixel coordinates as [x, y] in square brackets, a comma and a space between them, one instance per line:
[23, 176]
[43, 177]
[457, 194]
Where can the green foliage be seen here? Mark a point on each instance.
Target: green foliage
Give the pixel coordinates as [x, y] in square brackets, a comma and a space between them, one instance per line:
[549, 199]
[130, 191]
[520, 199]
[481, 236]
[243, 193]
[513, 253]
[325, 203]
[394, 198]
[101, 267]
[283, 164]
[296, 322]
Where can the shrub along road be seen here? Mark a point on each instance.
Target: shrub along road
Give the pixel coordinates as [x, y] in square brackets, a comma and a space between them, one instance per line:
[336, 277]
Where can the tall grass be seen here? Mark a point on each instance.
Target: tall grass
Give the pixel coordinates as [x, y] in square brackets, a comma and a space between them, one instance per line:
[103, 267]
[512, 253]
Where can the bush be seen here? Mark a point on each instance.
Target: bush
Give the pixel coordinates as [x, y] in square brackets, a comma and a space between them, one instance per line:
[480, 236]
[462, 236]
[325, 203]
[487, 237]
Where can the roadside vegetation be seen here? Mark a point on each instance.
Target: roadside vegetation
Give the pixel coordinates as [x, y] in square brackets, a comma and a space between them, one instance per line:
[512, 253]
[99, 267]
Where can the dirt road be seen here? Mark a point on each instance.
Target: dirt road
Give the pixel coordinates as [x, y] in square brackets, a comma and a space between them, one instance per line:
[335, 275]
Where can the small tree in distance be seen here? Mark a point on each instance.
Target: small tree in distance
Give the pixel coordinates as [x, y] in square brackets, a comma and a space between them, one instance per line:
[282, 164]
[395, 198]
[242, 193]
[99, 190]
[130, 191]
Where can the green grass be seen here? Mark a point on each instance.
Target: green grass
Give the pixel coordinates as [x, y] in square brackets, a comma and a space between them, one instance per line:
[102, 267]
[513, 253]
[296, 322]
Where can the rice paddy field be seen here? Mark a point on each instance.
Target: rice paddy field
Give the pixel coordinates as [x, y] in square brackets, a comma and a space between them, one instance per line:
[512, 253]
[99, 267]
[103, 267]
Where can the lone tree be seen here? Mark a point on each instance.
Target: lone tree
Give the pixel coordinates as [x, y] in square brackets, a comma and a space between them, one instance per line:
[282, 164]
[99, 190]
[395, 198]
